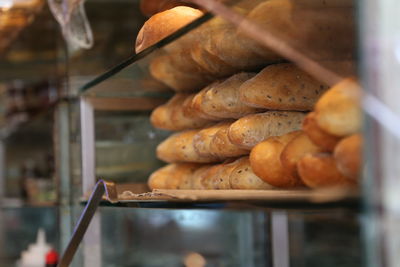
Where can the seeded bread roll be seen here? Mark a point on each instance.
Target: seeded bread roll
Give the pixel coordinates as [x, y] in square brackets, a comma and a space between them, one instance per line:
[179, 148]
[338, 112]
[222, 147]
[171, 21]
[265, 160]
[282, 87]
[348, 156]
[298, 147]
[163, 69]
[170, 116]
[253, 129]
[319, 170]
[243, 177]
[172, 176]
[222, 100]
[202, 140]
[322, 139]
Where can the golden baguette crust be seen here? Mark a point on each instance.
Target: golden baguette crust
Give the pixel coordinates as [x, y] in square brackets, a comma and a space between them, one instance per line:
[170, 116]
[195, 104]
[202, 140]
[348, 156]
[243, 177]
[319, 170]
[298, 147]
[179, 148]
[282, 87]
[172, 176]
[162, 69]
[222, 147]
[222, 100]
[220, 180]
[338, 111]
[318, 136]
[265, 160]
[253, 129]
[171, 21]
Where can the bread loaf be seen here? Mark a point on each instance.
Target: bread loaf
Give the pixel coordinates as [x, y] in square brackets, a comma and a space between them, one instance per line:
[282, 87]
[298, 147]
[319, 170]
[222, 99]
[179, 148]
[198, 176]
[348, 156]
[338, 111]
[170, 116]
[172, 176]
[265, 160]
[220, 180]
[202, 140]
[222, 147]
[208, 177]
[277, 23]
[171, 21]
[151, 7]
[252, 129]
[318, 136]
[195, 104]
[162, 69]
[243, 177]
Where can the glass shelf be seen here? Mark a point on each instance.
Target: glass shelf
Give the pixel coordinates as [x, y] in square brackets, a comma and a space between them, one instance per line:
[138, 196]
[328, 63]
[131, 78]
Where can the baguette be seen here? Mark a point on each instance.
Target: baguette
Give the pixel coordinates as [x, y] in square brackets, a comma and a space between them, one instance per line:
[243, 177]
[170, 116]
[324, 140]
[171, 21]
[172, 176]
[282, 87]
[162, 69]
[222, 147]
[294, 151]
[265, 160]
[319, 170]
[338, 111]
[253, 129]
[220, 180]
[195, 104]
[348, 156]
[179, 148]
[202, 140]
[222, 99]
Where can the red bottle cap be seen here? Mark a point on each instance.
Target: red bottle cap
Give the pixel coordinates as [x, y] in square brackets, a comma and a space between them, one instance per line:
[52, 257]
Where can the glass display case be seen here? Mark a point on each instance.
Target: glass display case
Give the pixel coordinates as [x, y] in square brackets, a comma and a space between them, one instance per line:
[117, 142]
[105, 132]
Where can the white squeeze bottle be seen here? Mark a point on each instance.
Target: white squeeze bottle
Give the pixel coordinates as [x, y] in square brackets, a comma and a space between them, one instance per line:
[35, 255]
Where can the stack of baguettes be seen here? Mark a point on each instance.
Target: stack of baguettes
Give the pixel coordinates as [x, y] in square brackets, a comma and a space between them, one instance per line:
[234, 98]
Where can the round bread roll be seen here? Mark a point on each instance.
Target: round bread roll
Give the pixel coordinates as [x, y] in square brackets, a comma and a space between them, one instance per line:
[348, 156]
[243, 177]
[338, 111]
[265, 160]
[318, 136]
[164, 24]
[294, 151]
[319, 170]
